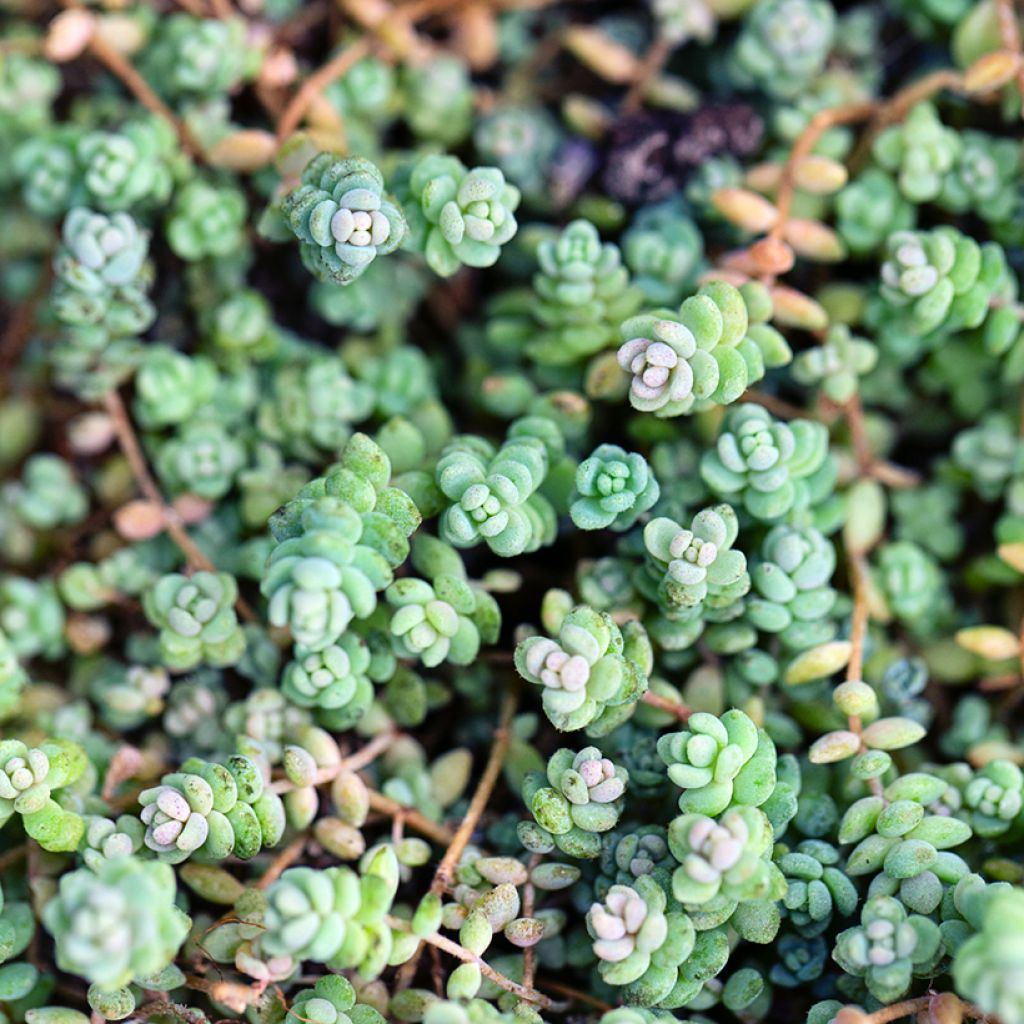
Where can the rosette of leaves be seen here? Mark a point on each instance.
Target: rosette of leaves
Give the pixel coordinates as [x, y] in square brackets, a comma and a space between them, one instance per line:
[687, 568]
[986, 968]
[116, 923]
[723, 861]
[241, 328]
[327, 568]
[47, 495]
[387, 293]
[906, 832]
[202, 458]
[990, 455]
[366, 92]
[912, 585]
[131, 168]
[171, 386]
[32, 617]
[837, 364]
[403, 381]
[28, 85]
[581, 294]
[764, 462]
[194, 708]
[333, 678]
[334, 916]
[870, 208]
[708, 352]
[579, 797]
[312, 406]
[196, 618]
[888, 948]
[106, 839]
[127, 697]
[940, 279]
[995, 797]
[195, 59]
[782, 46]
[664, 249]
[614, 488]
[816, 889]
[790, 587]
[592, 668]
[29, 776]
[440, 620]
[656, 957]
[627, 856]
[983, 177]
[493, 495]
[99, 269]
[45, 168]
[264, 722]
[361, 476]
[206, 221]
[522, 141]
[718, 762]
[342, 217]
[12, 678]
[459, 217]
[332, 1000]
[920, 151]
[211, 811]
[445, 619]
[438, 99]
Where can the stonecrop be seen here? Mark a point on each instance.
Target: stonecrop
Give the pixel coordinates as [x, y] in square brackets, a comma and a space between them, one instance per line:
[512, 512]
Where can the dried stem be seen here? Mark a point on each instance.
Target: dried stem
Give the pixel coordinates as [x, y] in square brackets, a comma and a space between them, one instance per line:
[655, 700]
[776, 406]
[477, 806]
[920, 1004]
[354, 763]
[233, 994]
[120, 66]
[859, 623]
[316, 83]
[405, 15]
[655, 59]
[529, 898]
[412, 818]
[125, 764]
[577, 996]
[1009, 34]
[461, 953]
[896, 108]
[804, 146]
[132, 450]
[858, 632]
[854, 413]
[894, 476]
[284, 859]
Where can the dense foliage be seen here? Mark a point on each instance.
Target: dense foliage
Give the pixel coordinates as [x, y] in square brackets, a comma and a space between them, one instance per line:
[512, 511]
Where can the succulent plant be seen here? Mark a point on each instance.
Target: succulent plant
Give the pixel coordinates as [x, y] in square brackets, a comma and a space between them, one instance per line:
[117, 923]
[196, 618]
[592, 668]
[342, 218]
[463, 217]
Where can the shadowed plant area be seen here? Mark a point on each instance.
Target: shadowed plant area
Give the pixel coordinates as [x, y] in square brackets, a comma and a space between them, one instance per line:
[511, 511]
